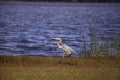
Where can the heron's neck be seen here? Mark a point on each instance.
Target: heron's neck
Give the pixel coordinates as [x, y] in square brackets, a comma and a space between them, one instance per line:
[59, 44]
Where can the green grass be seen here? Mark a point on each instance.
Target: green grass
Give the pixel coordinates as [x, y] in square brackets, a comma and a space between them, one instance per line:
[50, 68]
[103, 46]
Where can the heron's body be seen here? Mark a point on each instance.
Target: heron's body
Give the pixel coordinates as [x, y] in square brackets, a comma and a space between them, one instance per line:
[64, 47]
[68, 50]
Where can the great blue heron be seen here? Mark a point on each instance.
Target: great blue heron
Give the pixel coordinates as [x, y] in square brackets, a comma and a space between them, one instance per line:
[67, 50]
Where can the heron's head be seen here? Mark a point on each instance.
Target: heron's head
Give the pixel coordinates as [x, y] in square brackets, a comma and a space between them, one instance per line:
[57, 39]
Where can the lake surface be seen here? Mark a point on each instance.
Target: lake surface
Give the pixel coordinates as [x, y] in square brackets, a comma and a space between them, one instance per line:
[26, 28]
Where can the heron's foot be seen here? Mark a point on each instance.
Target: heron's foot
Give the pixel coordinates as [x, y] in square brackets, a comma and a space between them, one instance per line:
[60, 61]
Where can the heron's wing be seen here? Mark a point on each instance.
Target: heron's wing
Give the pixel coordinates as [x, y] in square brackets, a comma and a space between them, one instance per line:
[68, 49]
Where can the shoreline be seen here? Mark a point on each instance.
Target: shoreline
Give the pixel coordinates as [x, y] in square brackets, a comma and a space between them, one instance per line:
[48, 68]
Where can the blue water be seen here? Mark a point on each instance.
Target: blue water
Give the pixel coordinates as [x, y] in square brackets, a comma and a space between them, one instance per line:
[26, 28]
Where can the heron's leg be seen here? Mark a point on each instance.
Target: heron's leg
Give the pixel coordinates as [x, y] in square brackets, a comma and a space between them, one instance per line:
[61, 58]
[63, 55]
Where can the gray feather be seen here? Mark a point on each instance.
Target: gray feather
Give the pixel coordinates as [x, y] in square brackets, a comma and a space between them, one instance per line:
[68, 49]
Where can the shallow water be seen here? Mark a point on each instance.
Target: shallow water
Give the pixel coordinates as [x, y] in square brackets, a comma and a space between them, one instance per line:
[26, 28]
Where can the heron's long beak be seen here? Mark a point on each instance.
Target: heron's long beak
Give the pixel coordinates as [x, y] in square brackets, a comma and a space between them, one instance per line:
[55, 39]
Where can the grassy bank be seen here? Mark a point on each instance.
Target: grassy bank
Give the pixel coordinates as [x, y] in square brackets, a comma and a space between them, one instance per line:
[53, 68]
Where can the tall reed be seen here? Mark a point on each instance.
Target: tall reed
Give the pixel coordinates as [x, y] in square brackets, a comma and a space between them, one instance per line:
[103, 47]
[85, 46]
[95, 46]
[116, 46]
[85, 52]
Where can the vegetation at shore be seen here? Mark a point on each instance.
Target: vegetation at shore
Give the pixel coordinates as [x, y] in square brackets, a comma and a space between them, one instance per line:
[57, 68]
[106, 46]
